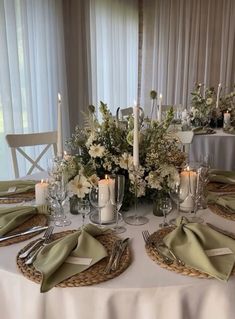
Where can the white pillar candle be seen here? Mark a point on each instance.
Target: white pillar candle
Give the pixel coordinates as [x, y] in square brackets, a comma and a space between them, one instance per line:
[59, 128]
[188, 183]
[218, 94]
[41, 193]
[160, 108]
[227, 118]
[106, 190]
[136, 136]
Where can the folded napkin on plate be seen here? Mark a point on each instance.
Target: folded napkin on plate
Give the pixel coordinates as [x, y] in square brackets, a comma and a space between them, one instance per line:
[219, 176]
[227, 201]
[12, 217]
[190, 241]
[21, 186]
[53, 260]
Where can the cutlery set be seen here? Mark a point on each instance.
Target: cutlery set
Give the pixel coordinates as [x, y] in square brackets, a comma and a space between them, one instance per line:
[33, 250]
[118, 249]
[23, 232]
[147, 239]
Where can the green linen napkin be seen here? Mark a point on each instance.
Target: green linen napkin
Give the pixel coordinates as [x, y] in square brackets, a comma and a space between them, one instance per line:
[12, 217]
[227, 201]
[22, 186]
[190, 241]
[52, 261]
[220, 176]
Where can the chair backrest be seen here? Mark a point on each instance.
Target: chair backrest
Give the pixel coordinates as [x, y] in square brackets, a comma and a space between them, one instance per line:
[17, 141]
[186, 138]
[126, 112]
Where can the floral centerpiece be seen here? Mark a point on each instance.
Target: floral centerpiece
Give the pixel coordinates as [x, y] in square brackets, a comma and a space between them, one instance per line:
[106, 148]
[202, 106]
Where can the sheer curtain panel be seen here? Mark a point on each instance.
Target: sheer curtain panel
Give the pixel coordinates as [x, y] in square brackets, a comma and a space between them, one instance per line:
[114, 52]
[187, 41]
[32, 70]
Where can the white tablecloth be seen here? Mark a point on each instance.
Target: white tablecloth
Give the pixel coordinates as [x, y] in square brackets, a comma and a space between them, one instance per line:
[143, 291]
[220, 145]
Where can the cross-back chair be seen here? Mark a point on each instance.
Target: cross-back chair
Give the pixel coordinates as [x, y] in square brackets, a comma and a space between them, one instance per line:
[17, 141]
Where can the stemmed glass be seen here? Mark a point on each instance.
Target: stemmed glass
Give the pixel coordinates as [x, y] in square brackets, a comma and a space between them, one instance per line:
[99, 198]
[58, 193]
[83, 207]
[165, 205]
[116, 199]
[178, 195]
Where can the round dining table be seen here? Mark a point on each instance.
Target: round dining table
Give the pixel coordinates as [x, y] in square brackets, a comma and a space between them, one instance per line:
[143, 291]
[220, 146]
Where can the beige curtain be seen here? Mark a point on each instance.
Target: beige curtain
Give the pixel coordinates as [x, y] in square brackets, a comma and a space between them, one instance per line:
[184, 42]
[77, 52]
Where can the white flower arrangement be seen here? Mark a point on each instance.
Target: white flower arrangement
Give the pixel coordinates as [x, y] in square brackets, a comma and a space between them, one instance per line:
[106, 148]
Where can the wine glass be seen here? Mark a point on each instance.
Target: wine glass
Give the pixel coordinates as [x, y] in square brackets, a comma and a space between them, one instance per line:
[165, 205]
[116, 199]
[60, 197]
[83, 207]
[178, 195]
[99, 198]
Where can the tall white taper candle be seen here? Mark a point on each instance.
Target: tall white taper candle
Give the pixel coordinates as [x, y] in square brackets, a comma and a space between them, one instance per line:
[218, 94]
[160, 108]
[136, 136]
[59, 128]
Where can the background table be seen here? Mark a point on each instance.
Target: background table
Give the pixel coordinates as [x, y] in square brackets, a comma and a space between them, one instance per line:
[220, 145]
[143, 291]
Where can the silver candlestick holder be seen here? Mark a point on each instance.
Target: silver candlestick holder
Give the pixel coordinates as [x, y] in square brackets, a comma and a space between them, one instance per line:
[136, 219]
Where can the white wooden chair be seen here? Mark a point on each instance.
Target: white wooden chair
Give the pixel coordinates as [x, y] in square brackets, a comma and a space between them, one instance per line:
[17, 141]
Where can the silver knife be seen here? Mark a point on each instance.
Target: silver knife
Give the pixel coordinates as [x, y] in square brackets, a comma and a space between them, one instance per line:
[222, 231]
[24, 232]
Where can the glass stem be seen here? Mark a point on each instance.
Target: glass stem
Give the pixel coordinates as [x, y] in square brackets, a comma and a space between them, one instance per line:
[164, 217]
[83, 219]
[136, 216]
[116, 212]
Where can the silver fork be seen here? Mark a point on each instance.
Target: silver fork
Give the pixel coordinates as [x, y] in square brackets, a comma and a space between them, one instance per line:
[46, 241]
[115, 247]
[150, 242]
[36, 244]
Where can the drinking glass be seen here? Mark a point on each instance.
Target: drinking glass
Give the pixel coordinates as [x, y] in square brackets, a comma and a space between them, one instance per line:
[165, 205]
[99, 198]
[59, 193]
[83, 207]
[116, 199]
[178, 195]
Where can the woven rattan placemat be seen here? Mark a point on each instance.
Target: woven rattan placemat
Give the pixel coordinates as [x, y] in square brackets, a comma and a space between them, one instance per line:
[17, 198]
[179, 269]
[222, 211]
[35, 220]
[93, 275]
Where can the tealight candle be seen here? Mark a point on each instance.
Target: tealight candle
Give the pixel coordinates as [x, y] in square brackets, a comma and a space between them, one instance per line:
[188, 181]
[41, 193]
[106, 190]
